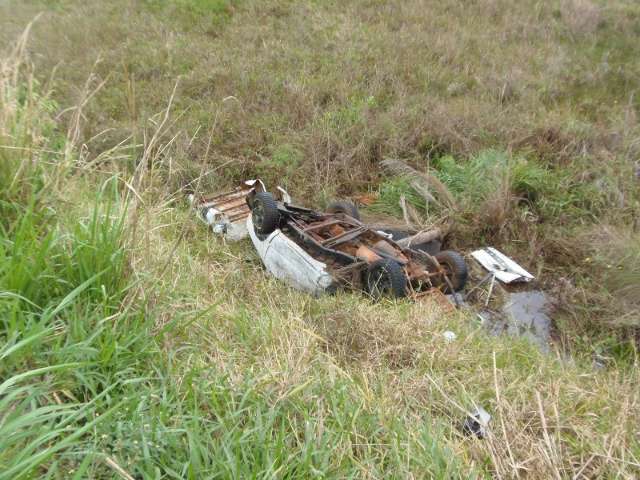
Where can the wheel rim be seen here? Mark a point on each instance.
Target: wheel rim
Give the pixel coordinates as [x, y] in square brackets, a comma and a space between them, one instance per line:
[446, 268]
[447, 276]
[379, 282]
[257, 215]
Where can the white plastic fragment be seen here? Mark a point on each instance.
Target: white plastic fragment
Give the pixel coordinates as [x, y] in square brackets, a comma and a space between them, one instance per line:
[501, 266]
[477, 423]
[286, 198]
[449, 336]
[254, 182]
[384, 234]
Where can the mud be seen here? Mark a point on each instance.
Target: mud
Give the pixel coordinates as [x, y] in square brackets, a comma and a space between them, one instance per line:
[524, 314]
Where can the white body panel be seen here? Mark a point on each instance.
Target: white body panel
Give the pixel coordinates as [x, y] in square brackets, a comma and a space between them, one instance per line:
[287, 261]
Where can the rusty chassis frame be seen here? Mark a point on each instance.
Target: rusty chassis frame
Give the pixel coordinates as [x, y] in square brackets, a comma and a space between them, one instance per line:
[348, 247]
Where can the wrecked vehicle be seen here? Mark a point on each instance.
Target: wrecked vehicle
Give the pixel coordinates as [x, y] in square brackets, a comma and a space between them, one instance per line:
[324, 251]
[226, 212]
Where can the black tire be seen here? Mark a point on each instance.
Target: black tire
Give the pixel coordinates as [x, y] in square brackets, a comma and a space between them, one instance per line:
[386, 278]
[264, 213]
[345, 207]
[456, 269]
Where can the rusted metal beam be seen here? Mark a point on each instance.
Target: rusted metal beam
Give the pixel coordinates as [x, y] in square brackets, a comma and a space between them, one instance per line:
[318, 226]
[344, 237]
[422, 237]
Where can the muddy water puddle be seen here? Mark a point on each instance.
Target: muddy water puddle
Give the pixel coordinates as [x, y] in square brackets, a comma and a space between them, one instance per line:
[524, 314]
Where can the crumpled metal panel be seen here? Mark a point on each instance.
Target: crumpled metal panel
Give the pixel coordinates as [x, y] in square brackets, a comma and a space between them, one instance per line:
[287, 261]
[226, 213]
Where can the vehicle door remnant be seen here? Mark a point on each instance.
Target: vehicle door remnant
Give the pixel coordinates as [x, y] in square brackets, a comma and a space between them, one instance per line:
[287, 261]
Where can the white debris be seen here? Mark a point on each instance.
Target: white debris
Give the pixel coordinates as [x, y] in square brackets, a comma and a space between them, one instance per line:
[255, 181]
[501, 266]
[385, 234]
[477, 423]
[226, 213]
[286, 198]
[449, 336]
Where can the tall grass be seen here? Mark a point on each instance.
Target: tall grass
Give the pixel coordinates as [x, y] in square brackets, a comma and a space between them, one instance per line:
[131, 352]
[53, 279]
[23, 124]
[88, 391]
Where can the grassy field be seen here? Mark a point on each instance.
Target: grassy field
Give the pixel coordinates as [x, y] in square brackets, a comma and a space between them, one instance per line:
[136, 345]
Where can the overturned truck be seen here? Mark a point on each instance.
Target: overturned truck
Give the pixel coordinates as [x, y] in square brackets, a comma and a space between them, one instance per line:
[323, 251]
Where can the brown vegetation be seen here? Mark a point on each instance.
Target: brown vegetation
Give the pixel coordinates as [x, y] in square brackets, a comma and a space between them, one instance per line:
[315, 95]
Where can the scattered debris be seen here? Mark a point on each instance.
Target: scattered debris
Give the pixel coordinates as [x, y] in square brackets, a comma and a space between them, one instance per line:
[317, 251]
[321, 251]
[449, 336]
[477, 423]
[226, 213]
[501, 266]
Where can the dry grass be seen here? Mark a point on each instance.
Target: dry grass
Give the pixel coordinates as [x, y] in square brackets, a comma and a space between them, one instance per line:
[407, 80]
[583, 17]
[616, 262]
[552, 417]
[346, 87]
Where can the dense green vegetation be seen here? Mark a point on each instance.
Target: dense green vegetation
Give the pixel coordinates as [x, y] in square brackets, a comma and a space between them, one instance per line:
[135, 345]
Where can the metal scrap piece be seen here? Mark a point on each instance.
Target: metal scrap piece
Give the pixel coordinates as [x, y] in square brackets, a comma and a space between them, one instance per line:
[226, 213]
[504, 269]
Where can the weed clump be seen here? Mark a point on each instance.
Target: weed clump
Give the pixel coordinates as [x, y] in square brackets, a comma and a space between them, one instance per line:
[27, 135]
[474, 180]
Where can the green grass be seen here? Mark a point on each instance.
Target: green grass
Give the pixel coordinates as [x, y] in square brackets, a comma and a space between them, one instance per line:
[88, 383]
[209, 14]
[133, 341]
[118, 395]
[390, 194]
